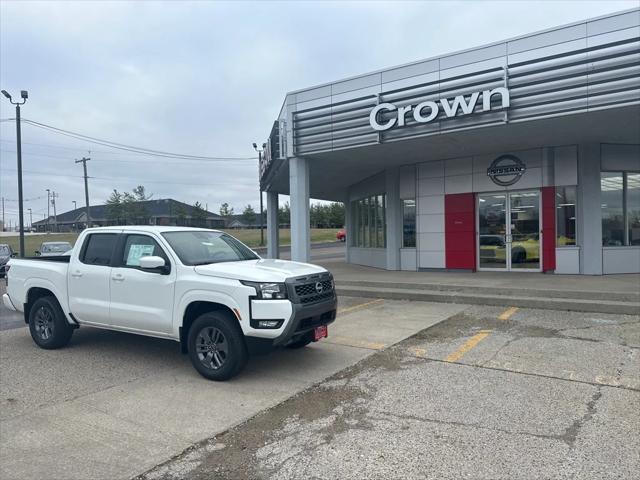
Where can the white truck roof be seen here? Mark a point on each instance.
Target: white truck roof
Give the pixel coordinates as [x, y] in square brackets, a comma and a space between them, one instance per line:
[149, 228]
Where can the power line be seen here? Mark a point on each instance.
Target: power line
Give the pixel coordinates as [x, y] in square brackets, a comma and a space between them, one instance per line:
[182, 162]
[123, 146]
[26, 199]
[171, 182]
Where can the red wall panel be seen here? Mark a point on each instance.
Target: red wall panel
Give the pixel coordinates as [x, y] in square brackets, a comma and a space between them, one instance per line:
[460, 231]
[548, 229]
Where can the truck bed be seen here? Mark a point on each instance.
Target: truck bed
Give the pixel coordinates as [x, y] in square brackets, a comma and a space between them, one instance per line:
[53, 258]
[44, 272]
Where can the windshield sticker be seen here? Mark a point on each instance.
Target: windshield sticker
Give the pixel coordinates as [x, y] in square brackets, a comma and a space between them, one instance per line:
[136, 252]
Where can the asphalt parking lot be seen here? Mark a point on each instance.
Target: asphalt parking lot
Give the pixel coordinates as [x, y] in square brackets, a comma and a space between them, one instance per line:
[489, 393]
[112, 405]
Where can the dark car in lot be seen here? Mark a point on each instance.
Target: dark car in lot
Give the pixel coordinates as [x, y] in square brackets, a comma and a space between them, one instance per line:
[6, 252]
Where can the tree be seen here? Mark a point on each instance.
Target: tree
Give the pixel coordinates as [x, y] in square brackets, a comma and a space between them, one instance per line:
[249, 215]
[336, 215]
[127, 207]
[198, 215]
[181, 214]
[329, 215]
[284, 214]
[140, 194]
[225, 210]
[115, 207]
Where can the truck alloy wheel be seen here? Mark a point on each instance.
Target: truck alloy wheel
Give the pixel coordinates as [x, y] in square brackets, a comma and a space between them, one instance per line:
[44, 323]
[216, 346]
[212, 347]
[48, 325]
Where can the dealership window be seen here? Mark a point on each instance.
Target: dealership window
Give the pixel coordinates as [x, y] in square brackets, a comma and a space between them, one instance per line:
[620, 208]
[565, 216]
[369, 222]
[409, 223]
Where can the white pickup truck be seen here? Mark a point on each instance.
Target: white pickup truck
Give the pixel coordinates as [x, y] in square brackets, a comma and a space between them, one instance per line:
[202, 288]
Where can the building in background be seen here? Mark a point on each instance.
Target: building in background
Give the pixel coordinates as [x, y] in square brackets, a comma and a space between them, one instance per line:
[522, 155]
[148, 212]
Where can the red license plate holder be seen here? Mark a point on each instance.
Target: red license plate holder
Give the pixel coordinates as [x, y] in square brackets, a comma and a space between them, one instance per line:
[320, 332]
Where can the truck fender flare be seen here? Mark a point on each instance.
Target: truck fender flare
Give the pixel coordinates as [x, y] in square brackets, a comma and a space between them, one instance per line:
[47, 285]
[204, 296]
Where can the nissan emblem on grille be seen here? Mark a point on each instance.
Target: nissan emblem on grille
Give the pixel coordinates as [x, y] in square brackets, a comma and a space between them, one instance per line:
[319, 287]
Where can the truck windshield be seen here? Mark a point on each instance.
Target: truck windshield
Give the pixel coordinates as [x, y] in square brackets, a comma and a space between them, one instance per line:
[4, 250]
[201, 248]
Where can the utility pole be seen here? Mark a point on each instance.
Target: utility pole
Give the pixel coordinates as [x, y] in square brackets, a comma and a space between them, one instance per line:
[24, 95]
[54, 195]
[48, 209]
[30, 219]
[86, 188]
[3, 214]
[255, 147]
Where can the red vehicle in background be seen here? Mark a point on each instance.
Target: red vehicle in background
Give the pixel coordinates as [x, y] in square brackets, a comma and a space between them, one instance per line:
[341, 235]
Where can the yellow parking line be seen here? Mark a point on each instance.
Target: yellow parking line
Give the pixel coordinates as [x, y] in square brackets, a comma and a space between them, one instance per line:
[507, 313]
[418, 352]
[468, 345]
[362, 305]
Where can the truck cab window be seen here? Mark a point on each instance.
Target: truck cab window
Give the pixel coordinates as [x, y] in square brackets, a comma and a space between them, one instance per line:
[138, 246]
[98, 249]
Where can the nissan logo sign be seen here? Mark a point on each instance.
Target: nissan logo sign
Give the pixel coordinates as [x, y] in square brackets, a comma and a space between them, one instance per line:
[319, 287]
[506, 170]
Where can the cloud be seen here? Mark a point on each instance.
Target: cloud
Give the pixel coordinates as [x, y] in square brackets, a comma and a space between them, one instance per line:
[206, 78]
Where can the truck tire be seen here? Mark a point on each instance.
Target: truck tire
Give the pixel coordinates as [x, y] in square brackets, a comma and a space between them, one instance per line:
[48, 325]
[216, 346]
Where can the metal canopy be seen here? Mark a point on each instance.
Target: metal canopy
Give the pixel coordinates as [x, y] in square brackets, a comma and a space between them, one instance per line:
[331, 173]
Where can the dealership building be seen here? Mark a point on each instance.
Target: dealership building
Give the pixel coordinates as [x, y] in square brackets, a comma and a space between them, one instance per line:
[521, 155]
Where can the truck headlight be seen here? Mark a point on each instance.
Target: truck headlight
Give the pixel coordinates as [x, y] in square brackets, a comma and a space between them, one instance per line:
[268, 291]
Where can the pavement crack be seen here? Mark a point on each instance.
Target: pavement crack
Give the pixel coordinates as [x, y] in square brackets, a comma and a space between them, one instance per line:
[539, 375]
[497, 352]
[476, 426]
[571, 433]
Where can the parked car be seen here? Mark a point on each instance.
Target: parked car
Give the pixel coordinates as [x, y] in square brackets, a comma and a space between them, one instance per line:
[341, 235]
[202, 288]
[6, 252]
[493, 247]
[52, 249]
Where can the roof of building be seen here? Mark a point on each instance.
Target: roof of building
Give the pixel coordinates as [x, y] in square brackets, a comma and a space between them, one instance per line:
[155, 208]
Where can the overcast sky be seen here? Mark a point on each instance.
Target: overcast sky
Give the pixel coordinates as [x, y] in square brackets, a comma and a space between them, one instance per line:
[205, 78]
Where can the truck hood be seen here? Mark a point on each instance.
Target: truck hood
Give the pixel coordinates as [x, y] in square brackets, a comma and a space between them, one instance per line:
[263, 270]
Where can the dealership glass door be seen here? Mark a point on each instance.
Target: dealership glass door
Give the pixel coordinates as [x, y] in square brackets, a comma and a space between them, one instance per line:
[509, 231]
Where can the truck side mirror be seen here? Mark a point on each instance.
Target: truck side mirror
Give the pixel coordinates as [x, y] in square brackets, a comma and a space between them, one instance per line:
[152, 262]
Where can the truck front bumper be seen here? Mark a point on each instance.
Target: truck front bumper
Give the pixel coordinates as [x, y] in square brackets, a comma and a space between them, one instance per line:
[306, 317]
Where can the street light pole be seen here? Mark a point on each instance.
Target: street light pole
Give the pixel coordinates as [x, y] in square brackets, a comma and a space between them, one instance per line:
[24, 95]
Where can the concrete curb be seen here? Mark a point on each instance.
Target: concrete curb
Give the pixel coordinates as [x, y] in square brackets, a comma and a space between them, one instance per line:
[570, 304]
[503, 291]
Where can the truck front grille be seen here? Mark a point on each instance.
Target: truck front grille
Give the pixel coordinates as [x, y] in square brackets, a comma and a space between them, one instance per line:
[313, 288]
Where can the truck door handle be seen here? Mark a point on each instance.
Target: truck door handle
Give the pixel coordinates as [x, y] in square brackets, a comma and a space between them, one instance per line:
[118, 278]
[77, 274]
